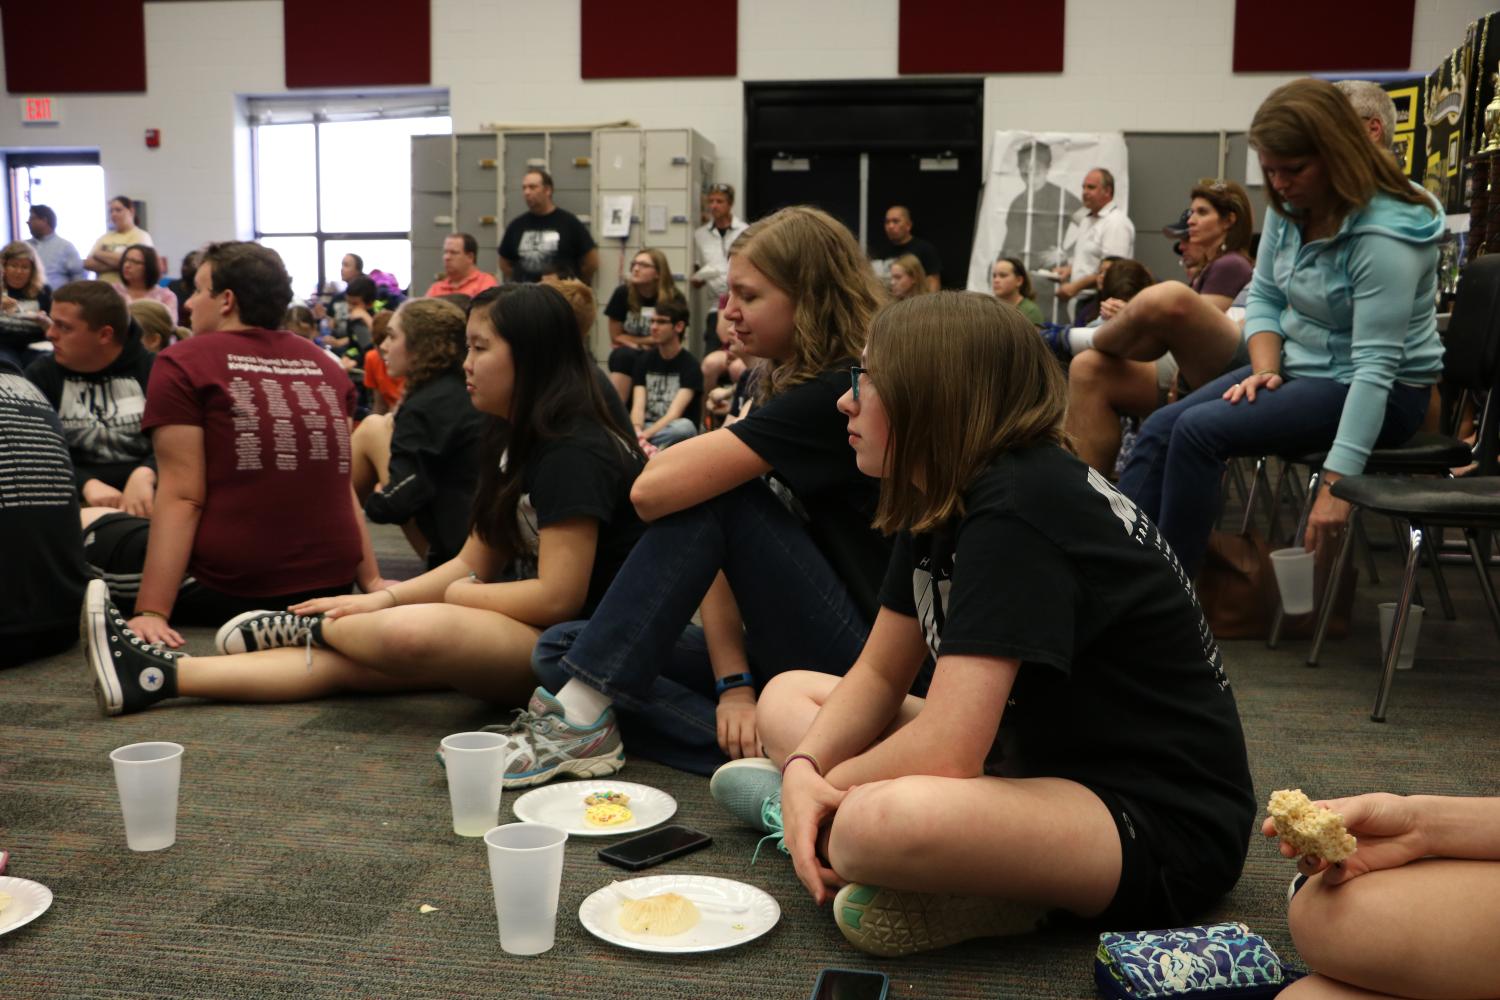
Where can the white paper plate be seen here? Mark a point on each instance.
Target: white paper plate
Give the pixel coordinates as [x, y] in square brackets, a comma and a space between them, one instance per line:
[28, 900]
[561, 805]
[714, 931]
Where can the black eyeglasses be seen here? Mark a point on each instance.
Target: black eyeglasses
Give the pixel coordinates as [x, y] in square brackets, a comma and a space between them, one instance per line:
[855, 371]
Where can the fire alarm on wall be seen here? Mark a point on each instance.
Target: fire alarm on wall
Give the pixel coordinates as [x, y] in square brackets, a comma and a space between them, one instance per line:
[153, 138]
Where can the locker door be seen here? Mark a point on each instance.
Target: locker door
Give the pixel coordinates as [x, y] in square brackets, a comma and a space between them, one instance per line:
[522, 151]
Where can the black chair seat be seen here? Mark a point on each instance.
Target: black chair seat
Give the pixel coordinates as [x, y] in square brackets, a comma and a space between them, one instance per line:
[1471, 501]
[1424, 452]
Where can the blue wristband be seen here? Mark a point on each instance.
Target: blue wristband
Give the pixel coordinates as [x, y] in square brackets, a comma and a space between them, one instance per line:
[723, 684]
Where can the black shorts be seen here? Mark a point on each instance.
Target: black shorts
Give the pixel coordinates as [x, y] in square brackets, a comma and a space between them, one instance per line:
[114, 547]
[622, 360]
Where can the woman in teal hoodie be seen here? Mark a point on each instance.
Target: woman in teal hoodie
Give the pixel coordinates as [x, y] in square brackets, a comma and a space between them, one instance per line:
[1341, 325]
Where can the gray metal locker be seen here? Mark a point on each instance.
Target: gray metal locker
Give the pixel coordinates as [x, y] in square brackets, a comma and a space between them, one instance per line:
[477, 208]
[431, 205]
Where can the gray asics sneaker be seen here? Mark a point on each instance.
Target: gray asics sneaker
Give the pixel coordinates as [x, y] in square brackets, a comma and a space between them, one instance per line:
[547, 745]
[257, 630]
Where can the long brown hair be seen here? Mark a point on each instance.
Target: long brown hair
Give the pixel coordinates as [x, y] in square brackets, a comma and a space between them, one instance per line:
[1230, 198]
[666, 288]
[434, 332]
[963, 378]
[814, 259]
[1310, 117]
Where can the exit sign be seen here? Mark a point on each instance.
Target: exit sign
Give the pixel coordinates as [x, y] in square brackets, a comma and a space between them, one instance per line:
[39, 111]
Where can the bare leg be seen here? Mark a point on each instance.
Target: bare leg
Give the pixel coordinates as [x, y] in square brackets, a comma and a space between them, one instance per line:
[1424, 930]
[621, 382]
[791, 700]
[1101, 388]
[372, 454]
[1172, 317]
[715, 363]
[88, 515]
[420, 647]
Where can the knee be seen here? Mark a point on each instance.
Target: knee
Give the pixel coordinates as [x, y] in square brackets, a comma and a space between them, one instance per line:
[878, 823]
[407, 638]
[784, 691]
[1087, 371]
[370, 429]
[1166, 302]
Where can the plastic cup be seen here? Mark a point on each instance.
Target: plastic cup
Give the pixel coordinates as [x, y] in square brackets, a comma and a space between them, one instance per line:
[1294, 578]
[475, 763]
[147, 776]
[1408, 641]
[526, 871]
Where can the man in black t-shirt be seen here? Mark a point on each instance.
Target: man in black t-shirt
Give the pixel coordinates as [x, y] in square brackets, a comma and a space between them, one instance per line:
[546, 239]
[667, 387]
[899, 242]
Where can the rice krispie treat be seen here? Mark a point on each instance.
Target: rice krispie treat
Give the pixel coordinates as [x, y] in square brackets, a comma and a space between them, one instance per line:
[1310, 829]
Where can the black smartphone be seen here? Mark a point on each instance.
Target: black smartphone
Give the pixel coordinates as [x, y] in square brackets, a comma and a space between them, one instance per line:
[655, 847]
[851, 984]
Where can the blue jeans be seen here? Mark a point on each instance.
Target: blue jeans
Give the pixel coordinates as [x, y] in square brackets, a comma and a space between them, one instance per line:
[638, 647]
[678, 430]
[1174, 472]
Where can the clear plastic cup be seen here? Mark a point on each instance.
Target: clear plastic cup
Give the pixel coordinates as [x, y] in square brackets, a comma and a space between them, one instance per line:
[475, 763]
[1294, 579]
[147, 776]
[1408, 641]
[526, 872]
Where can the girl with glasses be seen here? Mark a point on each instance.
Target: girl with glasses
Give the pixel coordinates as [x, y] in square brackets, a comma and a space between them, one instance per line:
[629, 313]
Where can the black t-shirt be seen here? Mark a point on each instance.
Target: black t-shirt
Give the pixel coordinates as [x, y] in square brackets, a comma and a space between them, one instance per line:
[886, 255]
[541, 244]
[587, 473]
[434, 465]
[1122, 686]
[662, 378]
[805, 439]
[637, 322]
[41, 545]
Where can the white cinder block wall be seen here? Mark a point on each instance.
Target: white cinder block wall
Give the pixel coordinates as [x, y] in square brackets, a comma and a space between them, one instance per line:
[1138, 65]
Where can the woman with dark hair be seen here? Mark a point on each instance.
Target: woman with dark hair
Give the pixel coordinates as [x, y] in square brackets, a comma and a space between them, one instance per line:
[425, 458]
[140, 270]
[629, 313]
[1012, 285]
[1341, 325]
[104, 258]
[25, 301]
[550, 525]
[1078, 748]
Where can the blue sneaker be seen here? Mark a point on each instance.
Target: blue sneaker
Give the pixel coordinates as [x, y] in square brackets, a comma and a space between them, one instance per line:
[1055, 336]
[750, 791]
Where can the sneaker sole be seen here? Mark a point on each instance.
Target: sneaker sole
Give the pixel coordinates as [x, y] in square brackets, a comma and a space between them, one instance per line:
[588, 767]
[890, 923]
[221, 637]
[93, 627]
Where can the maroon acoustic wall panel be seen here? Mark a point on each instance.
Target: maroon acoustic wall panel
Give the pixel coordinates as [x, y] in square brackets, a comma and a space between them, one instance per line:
[1326, 36]
[974, 36]
[375, 43]
[83, 47]
[619, 42]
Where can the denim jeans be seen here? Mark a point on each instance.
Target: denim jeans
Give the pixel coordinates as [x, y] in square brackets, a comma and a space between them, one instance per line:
[678, 430]
[639, 649]
[1174, 472]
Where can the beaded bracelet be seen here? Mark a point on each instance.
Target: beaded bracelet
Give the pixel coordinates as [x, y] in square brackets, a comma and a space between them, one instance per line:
[801, 755]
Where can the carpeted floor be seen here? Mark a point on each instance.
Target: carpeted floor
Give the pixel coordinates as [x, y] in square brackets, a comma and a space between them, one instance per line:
[310, 835]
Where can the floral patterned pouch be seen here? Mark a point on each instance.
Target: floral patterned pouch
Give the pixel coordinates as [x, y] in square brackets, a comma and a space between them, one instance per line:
[1214, 960]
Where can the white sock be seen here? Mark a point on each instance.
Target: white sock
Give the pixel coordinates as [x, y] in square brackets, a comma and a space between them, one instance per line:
[582, 705]
[1081, 338]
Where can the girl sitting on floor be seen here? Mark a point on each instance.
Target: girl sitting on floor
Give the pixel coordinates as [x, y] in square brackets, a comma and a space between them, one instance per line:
[1079, 748]
[552, 522]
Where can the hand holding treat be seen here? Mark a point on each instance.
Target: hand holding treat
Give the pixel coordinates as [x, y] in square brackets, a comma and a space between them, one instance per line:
[1309, 828]
[1387, 826]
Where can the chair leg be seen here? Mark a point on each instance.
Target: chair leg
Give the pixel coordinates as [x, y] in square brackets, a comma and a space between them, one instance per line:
[1278, 617]
[1482, 568]
[1278, 490]
[1398, 627]
[1255, 478]
[1441, 582]
[1363, 540]
[1330, 592]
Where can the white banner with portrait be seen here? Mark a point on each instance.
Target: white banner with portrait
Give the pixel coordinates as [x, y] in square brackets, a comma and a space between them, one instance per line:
[1031, 209]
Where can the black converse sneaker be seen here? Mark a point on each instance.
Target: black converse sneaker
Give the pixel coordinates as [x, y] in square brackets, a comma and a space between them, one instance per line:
[257, 630]
[129, 674]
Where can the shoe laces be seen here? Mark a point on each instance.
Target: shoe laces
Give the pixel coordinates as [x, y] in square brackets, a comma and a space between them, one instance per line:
[140, 644]
[770, 815]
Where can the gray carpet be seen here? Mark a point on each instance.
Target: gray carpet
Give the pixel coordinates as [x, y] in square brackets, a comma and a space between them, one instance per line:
[310, 835]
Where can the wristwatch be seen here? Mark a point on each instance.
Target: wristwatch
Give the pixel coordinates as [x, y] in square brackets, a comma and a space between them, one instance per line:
[722, 684]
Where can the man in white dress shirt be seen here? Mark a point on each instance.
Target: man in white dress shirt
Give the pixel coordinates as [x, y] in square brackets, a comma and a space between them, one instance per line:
[711, 243]
[1104, 230]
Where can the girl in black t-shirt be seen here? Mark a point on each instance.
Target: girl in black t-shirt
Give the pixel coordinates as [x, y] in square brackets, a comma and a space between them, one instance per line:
[551, 523]
[650, 282]
[1078, 748]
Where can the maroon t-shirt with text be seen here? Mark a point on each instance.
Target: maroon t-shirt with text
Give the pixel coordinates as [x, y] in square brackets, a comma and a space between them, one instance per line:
[278, 517]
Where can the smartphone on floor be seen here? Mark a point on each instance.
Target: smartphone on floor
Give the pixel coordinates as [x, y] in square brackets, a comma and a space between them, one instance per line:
[654, 847]
[851, 984]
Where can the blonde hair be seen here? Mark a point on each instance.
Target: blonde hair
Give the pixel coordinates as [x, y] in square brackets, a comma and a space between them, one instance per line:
[666, 288]
[912, 265]
[1310, 117]
[580, 297]
[20, 248]
[814, 259]
[156, 321]
[963, 378]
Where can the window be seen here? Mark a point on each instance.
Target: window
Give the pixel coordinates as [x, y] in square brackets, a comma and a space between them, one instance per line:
[335, 178]
[71, 184]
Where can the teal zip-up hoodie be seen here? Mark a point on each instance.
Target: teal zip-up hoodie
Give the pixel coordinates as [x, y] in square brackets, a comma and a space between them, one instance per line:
[1358, 307]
